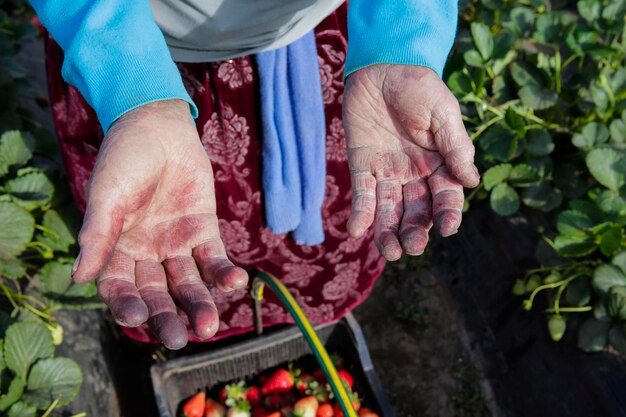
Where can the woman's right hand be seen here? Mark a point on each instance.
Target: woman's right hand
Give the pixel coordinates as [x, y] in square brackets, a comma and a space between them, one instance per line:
[150, 234]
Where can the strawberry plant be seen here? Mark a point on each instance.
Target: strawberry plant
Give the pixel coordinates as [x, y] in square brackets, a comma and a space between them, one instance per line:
[542, 85]
[37, 243]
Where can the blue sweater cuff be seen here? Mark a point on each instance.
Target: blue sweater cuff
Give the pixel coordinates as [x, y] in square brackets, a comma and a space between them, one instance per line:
[408, 32]
[115, 54]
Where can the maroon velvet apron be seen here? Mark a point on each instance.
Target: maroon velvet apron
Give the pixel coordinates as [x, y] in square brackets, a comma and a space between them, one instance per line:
[327, 280]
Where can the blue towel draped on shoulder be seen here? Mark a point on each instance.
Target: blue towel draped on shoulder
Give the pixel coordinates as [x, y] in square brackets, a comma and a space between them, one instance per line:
[294, 140]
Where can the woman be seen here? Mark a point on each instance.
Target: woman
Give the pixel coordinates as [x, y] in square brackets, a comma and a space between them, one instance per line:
[151, 235]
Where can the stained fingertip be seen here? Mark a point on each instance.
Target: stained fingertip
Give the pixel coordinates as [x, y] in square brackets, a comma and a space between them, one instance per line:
[204, 319]
[448, 222]
[130, 311]
[170, 329]
[414, 240]
[467, 175]
[231, 278]
[389, 246]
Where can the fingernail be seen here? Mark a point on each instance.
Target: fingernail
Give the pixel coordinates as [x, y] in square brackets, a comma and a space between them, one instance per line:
[75, 266]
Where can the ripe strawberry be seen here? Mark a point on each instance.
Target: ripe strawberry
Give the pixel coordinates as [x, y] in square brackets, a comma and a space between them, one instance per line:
[259, 412]
[274, 414]
[320, 376]
[325, 410]
[279, 382]
[214, 409]
[253, 395]
[274, 402]
[366, 412]
[194, 406]
[346, 377]
[306, 407]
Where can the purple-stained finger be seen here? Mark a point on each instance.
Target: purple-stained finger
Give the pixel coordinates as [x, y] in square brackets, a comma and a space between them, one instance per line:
[191, 293]
[164, 320]
[454, 144]
[363, 203]
[215, 267]
[116, 287]
[98, 236]
[388, 216]
[448, 198]
[417, 218]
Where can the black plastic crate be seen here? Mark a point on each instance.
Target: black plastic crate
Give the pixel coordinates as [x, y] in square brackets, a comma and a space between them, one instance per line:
[177, 379]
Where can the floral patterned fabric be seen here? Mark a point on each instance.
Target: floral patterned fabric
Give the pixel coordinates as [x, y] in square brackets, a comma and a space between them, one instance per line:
[327, 280]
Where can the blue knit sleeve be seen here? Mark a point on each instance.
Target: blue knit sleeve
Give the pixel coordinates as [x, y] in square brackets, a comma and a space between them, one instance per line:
[411, 32]
[115, 54]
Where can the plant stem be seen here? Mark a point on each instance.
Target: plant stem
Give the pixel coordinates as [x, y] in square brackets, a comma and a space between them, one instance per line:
[582, 309]
[52, 407]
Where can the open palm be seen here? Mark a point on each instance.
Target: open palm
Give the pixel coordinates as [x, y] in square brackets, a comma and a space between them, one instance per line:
[150, 234]
[409, 156]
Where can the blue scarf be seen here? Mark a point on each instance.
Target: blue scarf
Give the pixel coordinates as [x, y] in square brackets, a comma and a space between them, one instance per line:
[294, 140]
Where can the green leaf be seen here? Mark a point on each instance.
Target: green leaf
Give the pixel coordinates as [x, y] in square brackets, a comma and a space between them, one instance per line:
[21, 409]
[539, 142]
[619, 261]
[55, 278]
[618, 132]
[616, 302]
[31, 190]
[523, 18]
[573, 221]
[612, 202]
[607, 167]
[606, 276]
[593, 335]
[473, 58]
[514, 120]
[523, 175]
[543, 197]
[578, 292]
[543, 165]
[617, 338]
[483, 39]
[460, 83]
[499, 143]
[12, 268]
[26, 342]
[16, 229]
[611, 240]
[574, 246]
[536, 97]
[15, 149]
[495, 175]
[589, 10]
[504, 200]
[62, 227]
[13, 394]
[50, 379]
[523, 74]
[591, 135]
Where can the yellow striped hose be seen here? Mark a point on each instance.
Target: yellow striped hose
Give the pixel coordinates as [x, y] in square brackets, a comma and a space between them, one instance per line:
[314, 342]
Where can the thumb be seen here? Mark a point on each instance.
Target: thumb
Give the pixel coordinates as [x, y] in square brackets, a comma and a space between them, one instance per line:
[101, 230]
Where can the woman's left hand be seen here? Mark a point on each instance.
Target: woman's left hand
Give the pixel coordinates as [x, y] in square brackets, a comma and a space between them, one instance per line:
[409, 156]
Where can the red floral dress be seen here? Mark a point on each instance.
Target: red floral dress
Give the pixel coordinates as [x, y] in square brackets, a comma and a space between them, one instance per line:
[328, 280]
